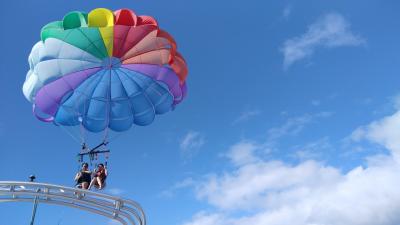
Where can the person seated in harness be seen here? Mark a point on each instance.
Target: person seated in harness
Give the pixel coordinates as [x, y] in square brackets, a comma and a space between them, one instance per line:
[83, 177]
[99, 177]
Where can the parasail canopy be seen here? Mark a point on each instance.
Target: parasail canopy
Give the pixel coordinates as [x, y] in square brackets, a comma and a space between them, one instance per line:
[104, 70]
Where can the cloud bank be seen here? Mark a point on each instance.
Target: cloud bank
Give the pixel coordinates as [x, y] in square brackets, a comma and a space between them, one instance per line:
[259, 191]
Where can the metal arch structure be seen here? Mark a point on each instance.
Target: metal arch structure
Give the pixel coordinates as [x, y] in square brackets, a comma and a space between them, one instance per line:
[126, 212]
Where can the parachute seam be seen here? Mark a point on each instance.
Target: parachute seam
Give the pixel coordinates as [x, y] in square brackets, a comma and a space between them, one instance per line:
[89, 97]
[128, 43]
[158, 79]
[142, 53]
[76, 112]
[124, 39]
[129, 100]
[144, 93]
[82, 94]
[101, 37]
[149, 35]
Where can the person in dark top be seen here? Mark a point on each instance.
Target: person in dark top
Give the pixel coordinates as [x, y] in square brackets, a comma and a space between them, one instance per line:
[99, 178]
[83, 177]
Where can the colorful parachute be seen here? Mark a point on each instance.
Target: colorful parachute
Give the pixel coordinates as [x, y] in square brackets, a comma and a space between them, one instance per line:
[104, 70]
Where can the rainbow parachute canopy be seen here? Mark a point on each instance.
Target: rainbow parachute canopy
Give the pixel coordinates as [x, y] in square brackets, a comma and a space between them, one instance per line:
[104, 70]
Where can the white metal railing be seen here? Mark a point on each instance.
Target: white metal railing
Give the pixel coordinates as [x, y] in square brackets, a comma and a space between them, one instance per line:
[125, 211]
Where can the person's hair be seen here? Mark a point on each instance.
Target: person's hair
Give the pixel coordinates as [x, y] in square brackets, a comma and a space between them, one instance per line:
[85, 164]
[101, 164]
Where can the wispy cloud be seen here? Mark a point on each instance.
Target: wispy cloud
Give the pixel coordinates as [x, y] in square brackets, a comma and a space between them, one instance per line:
[294, 125]
[396, 101]
[191, 143]
[313, 150]
[315, 102]
[287, 11]
[246, 115]
[188, 182]
[331, 30]
[291, 127]
[391, 105]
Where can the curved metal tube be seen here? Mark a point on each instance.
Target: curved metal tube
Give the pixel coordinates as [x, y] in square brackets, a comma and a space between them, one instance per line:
[125, 211]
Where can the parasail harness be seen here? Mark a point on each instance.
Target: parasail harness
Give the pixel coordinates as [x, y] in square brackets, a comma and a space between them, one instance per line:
[94, 153]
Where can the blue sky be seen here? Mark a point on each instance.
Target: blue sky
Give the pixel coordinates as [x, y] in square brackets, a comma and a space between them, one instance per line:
[292, 115]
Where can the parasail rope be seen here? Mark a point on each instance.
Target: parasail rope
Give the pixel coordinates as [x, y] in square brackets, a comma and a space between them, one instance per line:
[83, 133]
[70, 134]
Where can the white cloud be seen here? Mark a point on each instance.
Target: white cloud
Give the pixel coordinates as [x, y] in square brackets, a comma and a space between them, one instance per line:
[385, 132]
[332, 30]
[246, 115]
[190, 143]
[260, 185]
[242, 153]
[259, 192]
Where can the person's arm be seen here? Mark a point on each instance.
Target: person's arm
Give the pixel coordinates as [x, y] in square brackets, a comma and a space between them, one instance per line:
[105, 172]
[77, 176]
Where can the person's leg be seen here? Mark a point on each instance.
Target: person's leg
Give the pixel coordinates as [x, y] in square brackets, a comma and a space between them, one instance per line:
[93, 182]
[85, 185]
[99, 182]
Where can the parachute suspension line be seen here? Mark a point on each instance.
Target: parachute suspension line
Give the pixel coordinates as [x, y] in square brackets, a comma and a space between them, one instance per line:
[105, 137]
[83, 134]
[106, 156]
[77, 115]
[71, 124]
[115, 137]
[69, 133]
